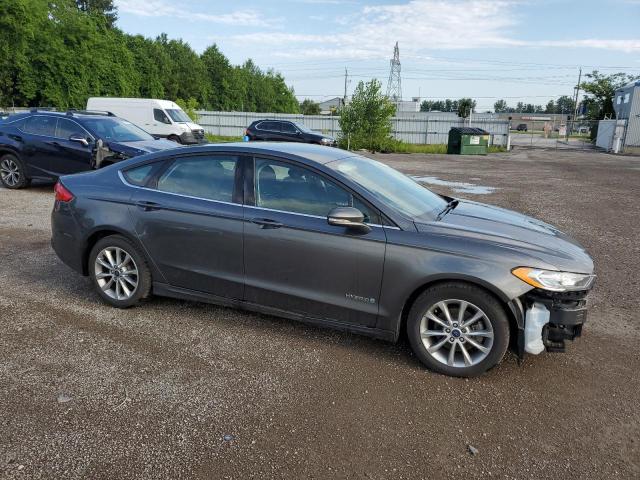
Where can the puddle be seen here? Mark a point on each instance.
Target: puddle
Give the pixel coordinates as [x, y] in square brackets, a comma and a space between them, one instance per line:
[460, 187]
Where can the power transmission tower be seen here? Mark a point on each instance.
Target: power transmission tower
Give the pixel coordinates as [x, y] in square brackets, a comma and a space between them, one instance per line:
[394, 85]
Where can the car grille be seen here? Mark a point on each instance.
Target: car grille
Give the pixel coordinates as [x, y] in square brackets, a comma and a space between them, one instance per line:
[576, 299]
[198, 134]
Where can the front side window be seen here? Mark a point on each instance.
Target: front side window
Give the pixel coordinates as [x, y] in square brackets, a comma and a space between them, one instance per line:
[290, 188]
[208, 177]
[116, 129]
[288, 128]
[391, 187]
[41, 125]
[66, 128]
[160, 116]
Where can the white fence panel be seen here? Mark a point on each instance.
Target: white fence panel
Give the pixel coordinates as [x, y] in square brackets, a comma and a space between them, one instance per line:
[424, 129]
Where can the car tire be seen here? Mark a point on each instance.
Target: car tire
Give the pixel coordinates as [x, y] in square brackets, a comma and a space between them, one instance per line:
[478, 345]
[119, 271]
[13, 173]
[174, 138]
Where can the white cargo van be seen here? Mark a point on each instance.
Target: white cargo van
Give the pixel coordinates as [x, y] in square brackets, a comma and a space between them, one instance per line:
[161, 118]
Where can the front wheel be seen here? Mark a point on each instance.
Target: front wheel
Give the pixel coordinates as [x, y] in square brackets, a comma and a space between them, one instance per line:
[458, 329]
[119, 271]
[12, 172]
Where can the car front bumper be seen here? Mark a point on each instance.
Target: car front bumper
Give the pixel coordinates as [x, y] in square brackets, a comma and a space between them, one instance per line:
[567, 315]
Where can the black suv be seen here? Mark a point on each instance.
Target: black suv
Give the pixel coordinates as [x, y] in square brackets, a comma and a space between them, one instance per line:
[286, 131]
[42, 144]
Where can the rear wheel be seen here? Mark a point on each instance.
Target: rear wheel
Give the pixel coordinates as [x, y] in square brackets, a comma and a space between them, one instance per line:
[119, 271]
[458, 329]
[12, 172]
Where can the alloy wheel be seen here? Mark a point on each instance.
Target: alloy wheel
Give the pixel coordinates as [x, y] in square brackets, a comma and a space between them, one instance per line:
[10, 172]
[116, 273]
[456, 333]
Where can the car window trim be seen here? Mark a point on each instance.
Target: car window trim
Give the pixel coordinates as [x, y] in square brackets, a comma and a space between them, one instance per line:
[336, 181]
[152, 182]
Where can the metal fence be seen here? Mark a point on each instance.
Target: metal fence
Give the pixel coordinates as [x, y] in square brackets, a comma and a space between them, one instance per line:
[555, 134]
[418, 129]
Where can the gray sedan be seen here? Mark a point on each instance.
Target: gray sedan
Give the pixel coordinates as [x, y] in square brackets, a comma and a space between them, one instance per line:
[330, 238]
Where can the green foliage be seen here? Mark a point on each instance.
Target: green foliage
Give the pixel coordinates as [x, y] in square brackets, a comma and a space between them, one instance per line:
[466, 107]
[366, 121]
[398, 146]
[309, 107]
[601, 89]
[221, 138]
[57, 54]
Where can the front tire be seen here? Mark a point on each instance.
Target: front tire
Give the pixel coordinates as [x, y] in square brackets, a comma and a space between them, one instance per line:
[13, 174]
[119, 271]
[458, 329]
[174, 138]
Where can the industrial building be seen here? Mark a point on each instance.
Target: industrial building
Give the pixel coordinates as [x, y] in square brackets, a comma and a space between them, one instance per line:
[627, 107]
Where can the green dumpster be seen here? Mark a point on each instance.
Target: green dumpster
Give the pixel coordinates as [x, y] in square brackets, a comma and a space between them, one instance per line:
[468, 141]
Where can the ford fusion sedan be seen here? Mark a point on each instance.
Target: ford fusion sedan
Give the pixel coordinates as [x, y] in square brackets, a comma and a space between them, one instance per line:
[329, 238]
[45, 145]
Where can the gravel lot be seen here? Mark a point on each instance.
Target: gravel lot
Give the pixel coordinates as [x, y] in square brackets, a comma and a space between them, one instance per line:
[176, 389]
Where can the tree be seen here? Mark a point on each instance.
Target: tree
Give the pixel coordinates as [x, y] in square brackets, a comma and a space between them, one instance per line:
[565, 105]
[466, 106]
[551, 107]
[500, 106]
[602, 89]
[366, 121]
[102, 8]
[309, 107]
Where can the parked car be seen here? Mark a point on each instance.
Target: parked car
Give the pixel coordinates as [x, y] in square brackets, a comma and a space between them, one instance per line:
[522, 127]
[286, 131]
[330, 238]
[161, 118]
[45, 144]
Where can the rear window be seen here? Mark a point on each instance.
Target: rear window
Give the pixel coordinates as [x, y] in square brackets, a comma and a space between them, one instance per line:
[270, 126]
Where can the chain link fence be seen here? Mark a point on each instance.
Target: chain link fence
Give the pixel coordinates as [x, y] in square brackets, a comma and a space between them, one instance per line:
[569, 134]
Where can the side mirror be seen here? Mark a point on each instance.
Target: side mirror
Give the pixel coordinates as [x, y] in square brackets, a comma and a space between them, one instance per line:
[76, 137]
[348, 217]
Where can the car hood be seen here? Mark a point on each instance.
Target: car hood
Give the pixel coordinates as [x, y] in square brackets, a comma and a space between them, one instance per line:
[520, 233]
[132, 149]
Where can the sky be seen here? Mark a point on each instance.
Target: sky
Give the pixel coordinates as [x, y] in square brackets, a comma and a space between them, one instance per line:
[528, 51]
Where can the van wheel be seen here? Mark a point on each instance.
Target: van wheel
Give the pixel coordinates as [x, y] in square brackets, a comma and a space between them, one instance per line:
[12, 172]
[458, 329]
[119, 271]
[174, 138]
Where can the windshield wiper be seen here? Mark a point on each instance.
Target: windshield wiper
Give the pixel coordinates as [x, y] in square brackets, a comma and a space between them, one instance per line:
[450, 206]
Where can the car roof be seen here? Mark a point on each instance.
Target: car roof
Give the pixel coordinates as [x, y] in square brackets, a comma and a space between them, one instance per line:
[314, 153]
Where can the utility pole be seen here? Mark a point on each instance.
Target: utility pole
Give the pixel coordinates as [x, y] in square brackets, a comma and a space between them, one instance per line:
[346, 76]
[575, 103]
[394, 85]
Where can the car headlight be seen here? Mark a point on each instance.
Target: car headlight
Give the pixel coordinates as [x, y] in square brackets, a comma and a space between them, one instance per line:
[552, 280]
[326, 141]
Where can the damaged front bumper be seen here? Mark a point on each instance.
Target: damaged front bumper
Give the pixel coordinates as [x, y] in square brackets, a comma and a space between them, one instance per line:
[547, 319]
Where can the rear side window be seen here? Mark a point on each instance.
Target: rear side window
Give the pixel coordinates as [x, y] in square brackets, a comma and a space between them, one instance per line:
[160, 116]
[66, 128]
[269, 126]
[139, 175]
[208, 177]
[41, 125]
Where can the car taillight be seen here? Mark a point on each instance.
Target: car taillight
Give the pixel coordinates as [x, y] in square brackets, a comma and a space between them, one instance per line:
[62, 194]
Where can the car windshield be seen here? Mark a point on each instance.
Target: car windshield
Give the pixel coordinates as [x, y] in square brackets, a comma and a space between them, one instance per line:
[116, 130]
[391, 187]
[303, 128]
[178, 115]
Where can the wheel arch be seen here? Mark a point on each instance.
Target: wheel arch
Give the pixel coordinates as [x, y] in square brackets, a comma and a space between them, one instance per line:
[99, 233]
[458, 278]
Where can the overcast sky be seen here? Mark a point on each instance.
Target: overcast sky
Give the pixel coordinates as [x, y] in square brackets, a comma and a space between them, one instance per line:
[518, 50]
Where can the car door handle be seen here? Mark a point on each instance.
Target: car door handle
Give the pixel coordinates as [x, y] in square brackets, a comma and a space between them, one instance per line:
[266, 223]
[148, 206]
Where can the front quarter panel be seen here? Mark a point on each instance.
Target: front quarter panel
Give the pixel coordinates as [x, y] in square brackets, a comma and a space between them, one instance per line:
[416, 259]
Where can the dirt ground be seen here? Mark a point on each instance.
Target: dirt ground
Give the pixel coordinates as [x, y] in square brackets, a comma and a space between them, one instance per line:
[175, 389]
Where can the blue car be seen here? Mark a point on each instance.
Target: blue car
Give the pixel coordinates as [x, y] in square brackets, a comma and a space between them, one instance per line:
[44, 145]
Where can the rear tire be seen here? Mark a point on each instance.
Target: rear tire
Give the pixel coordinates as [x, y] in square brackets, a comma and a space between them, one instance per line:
[119, 271]
[458, 329]
[13, 173]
